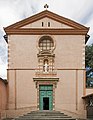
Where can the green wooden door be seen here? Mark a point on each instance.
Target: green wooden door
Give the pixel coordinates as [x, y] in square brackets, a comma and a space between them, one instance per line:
[46, 97]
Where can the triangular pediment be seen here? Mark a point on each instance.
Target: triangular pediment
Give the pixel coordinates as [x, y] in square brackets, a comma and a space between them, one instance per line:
[36, 20]
[46, 15]
[47, 22]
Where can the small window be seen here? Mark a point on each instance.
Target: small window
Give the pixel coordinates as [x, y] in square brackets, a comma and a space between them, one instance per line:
[42, 24]
[48, 24]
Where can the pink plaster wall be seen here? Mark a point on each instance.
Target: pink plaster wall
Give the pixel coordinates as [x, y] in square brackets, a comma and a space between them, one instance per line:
[3, 95]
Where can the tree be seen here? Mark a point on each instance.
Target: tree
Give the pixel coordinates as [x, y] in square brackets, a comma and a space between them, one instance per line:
[89, 65]
[89, 56]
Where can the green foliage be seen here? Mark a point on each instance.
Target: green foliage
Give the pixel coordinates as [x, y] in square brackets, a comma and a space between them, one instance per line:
[89, 66]
[89, 56]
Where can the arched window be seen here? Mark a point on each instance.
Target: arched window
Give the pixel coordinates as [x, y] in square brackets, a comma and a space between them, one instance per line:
[46, 43]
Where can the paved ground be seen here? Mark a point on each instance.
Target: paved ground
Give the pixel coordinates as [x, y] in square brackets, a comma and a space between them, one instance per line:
[77, 119]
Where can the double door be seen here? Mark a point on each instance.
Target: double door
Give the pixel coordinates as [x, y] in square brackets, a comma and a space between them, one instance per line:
[45, 97]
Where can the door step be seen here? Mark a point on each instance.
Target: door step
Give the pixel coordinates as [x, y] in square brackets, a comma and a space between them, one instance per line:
[44, 115]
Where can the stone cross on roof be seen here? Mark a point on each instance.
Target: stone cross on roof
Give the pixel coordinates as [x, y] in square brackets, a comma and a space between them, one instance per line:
[46, 6]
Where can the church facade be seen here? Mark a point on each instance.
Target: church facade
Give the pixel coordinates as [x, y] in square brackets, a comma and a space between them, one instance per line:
[46, 64]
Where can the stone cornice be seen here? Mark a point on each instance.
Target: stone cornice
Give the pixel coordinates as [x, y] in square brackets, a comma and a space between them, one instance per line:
[44, 79]
[40, 31]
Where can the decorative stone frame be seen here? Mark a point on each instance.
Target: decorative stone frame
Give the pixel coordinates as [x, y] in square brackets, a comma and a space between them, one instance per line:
[51, 36]
[41, 59]
[46, 81]
[42, 55]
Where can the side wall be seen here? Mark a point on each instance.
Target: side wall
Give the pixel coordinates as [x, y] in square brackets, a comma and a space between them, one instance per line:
[3, 96]
[89, 91]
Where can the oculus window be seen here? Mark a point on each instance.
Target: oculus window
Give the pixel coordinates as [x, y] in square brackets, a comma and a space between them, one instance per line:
[46, 43]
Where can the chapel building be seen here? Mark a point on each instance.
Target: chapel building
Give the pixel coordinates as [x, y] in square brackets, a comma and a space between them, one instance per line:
[46, 64]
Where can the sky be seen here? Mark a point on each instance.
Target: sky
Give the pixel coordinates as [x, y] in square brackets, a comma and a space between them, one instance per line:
[12, 11]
